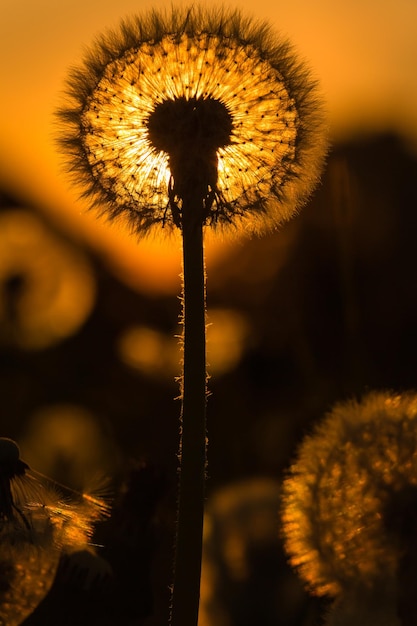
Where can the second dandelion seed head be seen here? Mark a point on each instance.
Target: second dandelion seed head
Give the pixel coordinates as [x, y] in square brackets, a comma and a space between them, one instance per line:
[350, 501]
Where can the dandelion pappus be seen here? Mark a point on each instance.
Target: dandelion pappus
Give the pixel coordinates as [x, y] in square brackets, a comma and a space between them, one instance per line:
[37, 510]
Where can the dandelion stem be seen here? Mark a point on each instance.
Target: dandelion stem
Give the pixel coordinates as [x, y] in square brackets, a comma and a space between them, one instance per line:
[186, 593]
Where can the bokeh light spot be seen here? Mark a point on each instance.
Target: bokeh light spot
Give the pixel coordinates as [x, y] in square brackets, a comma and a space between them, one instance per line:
[47, 288]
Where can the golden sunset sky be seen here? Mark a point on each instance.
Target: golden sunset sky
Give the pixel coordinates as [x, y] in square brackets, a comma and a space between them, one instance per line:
[364, 53]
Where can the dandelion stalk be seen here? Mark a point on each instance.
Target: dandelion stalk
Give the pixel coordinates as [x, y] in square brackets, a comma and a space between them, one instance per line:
[190, 131]
[187, 568]
[193, 120]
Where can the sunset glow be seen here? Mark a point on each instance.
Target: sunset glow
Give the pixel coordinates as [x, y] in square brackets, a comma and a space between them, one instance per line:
[364, 57]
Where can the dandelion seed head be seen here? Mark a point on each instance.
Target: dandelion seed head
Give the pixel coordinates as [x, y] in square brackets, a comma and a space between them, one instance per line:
[39, 520]
[351, 494]
[34, 510]
[203, 98]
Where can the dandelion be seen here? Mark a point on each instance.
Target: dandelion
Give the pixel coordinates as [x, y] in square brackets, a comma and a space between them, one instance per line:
[36, 509]
[350, 502]
[39, 519]
[203, 101]
[189, 120]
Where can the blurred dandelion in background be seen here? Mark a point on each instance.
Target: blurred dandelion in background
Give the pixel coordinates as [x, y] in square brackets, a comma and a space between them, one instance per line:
[203, 97]
[47, 289]
[350, 501]
[39, 520]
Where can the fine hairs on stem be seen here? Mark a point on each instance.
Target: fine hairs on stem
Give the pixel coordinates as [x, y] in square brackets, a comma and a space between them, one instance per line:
[187, 568]
[189, 120]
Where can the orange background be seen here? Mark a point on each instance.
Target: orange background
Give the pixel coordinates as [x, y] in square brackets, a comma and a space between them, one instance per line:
[364, 54]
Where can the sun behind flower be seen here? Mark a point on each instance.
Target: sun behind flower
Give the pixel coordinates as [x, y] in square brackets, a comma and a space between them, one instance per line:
[194, 98]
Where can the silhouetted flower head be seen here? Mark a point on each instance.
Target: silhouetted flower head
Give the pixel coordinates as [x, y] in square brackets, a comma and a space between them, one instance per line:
[194, 101]
[350, 501]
